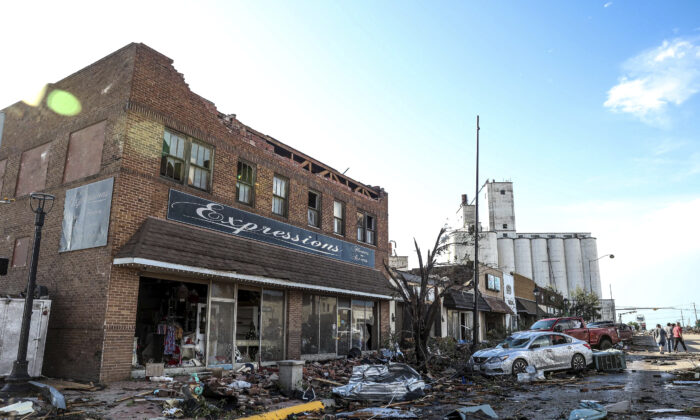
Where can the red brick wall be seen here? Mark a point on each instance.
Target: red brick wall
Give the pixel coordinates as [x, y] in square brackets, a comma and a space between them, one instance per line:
[94, 307]
[294, 303]
[77, 280]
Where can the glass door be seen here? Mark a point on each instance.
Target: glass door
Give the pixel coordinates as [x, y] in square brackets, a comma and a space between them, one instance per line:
[344, 326]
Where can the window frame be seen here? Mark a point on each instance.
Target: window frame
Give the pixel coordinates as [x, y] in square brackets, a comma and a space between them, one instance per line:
[317, 209]
[341, 218]
[254, 169]
[365, 228]
[285, 198]
[187, 160]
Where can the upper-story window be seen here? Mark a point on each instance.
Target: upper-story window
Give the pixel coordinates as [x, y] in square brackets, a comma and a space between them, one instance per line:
[313, 213]
[245, 185]
[181, 155]
[339, 217]
[366, 228]
[280, 195]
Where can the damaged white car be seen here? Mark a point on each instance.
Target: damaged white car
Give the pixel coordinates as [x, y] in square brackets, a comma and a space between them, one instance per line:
[544, 350]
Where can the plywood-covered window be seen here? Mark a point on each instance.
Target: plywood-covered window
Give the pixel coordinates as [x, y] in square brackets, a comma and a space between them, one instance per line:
[84, 156]
[3, 166]
[21, 251]
[32, 170]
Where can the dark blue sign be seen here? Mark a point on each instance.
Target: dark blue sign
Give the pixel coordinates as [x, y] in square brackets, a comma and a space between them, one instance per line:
[197, 211]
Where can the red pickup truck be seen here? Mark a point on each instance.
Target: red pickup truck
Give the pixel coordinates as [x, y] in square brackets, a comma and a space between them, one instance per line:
[602, 338]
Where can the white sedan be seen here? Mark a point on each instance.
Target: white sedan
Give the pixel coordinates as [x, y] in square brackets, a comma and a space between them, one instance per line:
[544, 350]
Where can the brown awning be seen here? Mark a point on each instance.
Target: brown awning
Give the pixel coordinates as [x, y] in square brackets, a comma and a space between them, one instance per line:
[526, 306]
[464, 300]
[497, 305]
[167, 245]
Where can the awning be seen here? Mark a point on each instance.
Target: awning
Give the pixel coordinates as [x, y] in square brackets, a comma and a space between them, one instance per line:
[526, 306]
[464, 301]
[497, 305]
[169, 246]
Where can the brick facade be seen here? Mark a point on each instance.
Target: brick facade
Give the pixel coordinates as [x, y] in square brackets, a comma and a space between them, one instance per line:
[138, 93]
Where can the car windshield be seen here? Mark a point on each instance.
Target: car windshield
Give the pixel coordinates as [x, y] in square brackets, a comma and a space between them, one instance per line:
[512, 342]
[544, 324]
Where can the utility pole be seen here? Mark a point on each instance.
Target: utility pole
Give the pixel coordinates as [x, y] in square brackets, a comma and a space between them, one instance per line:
[696, 315]
[475, 340]
[682, 320]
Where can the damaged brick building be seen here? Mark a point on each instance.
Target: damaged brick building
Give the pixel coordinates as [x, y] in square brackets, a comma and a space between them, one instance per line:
[180, 235]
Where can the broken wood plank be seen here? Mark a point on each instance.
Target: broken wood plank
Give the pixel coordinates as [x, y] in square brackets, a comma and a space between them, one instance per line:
[327, 381]
[140, 394]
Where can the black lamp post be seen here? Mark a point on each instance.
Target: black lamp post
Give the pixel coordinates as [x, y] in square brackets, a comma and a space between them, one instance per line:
[566, 307]
[536, 292]
[17, 382]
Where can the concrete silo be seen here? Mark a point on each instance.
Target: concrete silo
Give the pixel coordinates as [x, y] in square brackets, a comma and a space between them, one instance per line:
[506, 255]
[488, 249]
[523, 257]
[574, 264]
[540, 261]
[557, 261]
[591, 273]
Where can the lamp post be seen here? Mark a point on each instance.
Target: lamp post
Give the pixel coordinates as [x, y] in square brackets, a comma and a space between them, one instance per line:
[17, 382]
[590, 271]
[536, 292]
[566, 307]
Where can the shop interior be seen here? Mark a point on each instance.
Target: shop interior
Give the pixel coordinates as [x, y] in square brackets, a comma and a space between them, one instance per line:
[171, 321]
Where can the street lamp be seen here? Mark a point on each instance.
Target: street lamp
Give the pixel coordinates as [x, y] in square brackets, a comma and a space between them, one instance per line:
[17, 382]
[536, 292]
[590, 270]
[566, 307]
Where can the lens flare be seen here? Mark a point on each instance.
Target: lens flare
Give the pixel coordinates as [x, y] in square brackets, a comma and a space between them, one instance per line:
[63, 103]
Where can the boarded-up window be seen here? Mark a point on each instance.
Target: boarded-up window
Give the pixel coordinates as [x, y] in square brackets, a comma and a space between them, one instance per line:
[19, 257]
[3, 165]
[32, 170]
[85, 152]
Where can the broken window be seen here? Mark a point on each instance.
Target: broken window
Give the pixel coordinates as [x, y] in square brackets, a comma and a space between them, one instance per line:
[84, 156]
[280, 192]
[272, 320]
[366, 228]
[19, 257]
[3, 166]
[181, 155]
[32, 170]
[200, 166]
[310, 324]
[245, 183]
[364, 328]
[339, 217]
[314, 211]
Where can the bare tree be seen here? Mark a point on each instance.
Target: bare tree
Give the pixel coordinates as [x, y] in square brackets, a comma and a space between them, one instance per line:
[424, 300]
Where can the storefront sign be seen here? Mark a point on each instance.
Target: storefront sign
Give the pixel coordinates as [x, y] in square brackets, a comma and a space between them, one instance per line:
[197, 211]
[86, 216]
[509, 297]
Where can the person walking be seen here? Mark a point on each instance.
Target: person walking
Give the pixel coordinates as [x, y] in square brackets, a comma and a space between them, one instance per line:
[669, 336]
[659, 335]
[678, 338]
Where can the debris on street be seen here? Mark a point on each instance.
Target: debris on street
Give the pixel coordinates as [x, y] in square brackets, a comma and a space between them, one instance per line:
[461, 413]
[589, 411]
[391, 382]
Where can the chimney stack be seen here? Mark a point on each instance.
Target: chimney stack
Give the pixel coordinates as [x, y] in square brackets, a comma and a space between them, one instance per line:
[464, 199]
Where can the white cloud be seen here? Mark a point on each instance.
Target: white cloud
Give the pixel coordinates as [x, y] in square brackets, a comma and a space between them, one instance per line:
[666, 75]
[608, 4]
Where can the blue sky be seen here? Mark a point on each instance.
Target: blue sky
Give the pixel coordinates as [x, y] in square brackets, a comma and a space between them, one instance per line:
[590, 108]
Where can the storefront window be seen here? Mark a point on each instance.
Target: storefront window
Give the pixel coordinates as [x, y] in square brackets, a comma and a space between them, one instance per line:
[309, 324]
[221, 333]
[248, 325]
[364, 331]
[272, 320]
[328, 324]
[223, 290]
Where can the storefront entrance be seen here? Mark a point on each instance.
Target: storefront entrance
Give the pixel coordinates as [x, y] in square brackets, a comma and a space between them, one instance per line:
[171, 321]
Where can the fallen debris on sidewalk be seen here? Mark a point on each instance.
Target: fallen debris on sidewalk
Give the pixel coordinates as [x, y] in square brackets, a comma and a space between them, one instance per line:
[378, 413]
[589, 411]
[392, 382]
[19, 408]
[461, 413]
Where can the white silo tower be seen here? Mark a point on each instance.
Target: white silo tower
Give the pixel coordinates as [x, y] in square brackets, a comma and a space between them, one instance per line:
[557, 261]
[591, 273]
[506, 255]
[540, 262]
[523, 257]
[574, 265]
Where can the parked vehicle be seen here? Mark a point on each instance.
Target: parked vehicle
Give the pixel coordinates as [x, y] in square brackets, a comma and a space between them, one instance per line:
[624, 331]
[546, 351]
[600, 337]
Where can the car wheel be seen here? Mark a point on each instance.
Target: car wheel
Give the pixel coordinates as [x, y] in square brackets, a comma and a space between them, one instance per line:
[578, 363]
[519, 366]
[605, 344]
